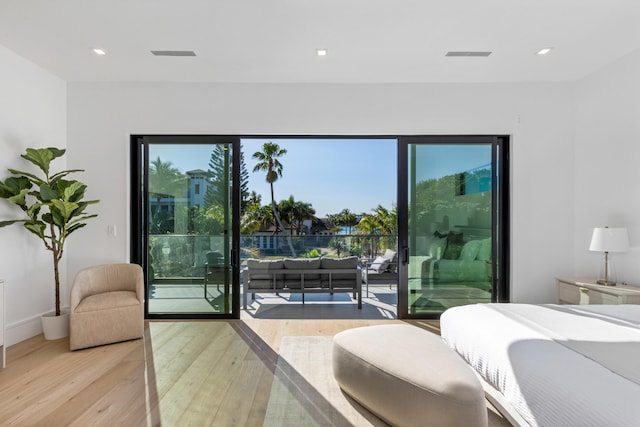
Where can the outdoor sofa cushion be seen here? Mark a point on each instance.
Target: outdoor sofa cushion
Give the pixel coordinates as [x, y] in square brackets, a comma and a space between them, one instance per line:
[294, 280]
[340, 279]
[262, 273]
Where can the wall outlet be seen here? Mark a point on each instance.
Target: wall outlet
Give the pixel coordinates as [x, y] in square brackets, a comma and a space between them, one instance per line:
[111, 230]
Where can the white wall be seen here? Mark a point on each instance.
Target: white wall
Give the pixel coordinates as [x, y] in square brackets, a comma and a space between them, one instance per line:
[538, 116]
[32, 114]
[607, 157]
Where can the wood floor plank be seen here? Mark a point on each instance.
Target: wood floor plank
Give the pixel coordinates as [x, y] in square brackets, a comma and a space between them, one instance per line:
[225, 367]
[178, 386]
[45, 387]
[182, 373]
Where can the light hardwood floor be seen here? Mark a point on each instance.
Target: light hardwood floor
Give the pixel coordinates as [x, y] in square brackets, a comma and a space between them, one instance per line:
[183, 373]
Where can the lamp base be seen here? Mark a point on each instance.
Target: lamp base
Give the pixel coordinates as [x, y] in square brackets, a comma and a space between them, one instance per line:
[605, 282]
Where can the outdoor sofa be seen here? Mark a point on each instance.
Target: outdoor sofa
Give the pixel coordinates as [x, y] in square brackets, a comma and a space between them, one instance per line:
[302, 275]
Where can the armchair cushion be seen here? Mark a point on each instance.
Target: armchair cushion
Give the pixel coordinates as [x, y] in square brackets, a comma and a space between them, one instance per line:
[107, 300]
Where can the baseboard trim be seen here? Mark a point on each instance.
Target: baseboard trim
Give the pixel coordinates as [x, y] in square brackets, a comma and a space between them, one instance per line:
[24, 329]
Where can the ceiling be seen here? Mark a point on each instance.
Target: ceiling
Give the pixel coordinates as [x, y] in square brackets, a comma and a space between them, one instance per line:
[368, 41]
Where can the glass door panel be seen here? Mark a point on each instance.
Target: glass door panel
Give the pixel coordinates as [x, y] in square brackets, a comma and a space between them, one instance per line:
[449, 256]
[188, 241]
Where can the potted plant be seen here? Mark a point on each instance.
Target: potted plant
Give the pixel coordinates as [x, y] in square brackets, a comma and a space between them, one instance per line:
[54, 208]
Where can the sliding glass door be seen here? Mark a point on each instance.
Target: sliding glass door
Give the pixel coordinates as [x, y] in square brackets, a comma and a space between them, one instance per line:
[453, 223]
[187, 237]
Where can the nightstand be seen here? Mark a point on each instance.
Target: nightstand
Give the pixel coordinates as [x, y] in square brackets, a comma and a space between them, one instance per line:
[573, 290]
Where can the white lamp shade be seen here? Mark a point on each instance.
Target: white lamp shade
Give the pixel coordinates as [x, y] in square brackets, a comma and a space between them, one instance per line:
[606, 239]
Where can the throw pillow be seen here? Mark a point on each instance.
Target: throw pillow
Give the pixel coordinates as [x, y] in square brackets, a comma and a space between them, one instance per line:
[439, 234]
[454, 245]
[484, 253]
[455, 237]
[380, 264]
[390, 255]
[470, 250]
[437, 247]
[453, 251]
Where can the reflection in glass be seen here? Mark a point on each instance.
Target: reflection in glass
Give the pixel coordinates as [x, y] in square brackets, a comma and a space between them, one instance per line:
[189, 222]
[449, 226]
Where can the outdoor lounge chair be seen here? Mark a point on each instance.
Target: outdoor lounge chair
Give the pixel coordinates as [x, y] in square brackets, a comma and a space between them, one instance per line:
[382, 270]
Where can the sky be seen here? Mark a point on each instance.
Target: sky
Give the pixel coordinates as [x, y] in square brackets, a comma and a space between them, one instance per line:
[330, 174]
[335, 174]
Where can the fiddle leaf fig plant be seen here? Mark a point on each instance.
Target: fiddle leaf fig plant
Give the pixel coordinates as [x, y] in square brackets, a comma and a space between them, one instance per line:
[53, 206]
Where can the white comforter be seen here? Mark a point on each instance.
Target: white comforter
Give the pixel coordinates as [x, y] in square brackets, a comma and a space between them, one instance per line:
[555, 365]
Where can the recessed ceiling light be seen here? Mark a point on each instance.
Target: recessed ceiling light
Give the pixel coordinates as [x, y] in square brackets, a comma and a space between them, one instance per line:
[544, 51]
[98, 51]
[321, 52]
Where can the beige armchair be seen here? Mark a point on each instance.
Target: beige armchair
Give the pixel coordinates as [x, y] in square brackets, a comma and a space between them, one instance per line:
[107, 305]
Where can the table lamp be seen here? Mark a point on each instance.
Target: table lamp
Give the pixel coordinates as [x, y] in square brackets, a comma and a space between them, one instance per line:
[606, 239]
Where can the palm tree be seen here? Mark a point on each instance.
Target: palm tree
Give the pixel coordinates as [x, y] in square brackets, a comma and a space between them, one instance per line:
[254, 199]
[303, 211]
[295, 212]
[269, 163]
[255, 217]
[287, 209]
[382, 222]
[345, 218]
[165, 180]
[386, 219]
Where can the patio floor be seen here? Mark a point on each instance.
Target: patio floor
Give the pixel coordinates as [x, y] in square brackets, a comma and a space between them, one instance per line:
[180, 298]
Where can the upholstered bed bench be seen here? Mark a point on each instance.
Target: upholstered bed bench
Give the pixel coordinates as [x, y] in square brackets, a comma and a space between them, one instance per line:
[408, 377]
[305, 275]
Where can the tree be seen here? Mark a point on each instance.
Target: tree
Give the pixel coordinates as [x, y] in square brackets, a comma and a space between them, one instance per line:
[206, 221]
[382, 222]
[244, 182]
[218, 177]
[254, 199]
[268, 162]
[219, 169]
[287, 209]
[256, 217]
[165, 180]
[339, 245]
[386, 219]
[345, 218]
[295, 212]
[303, 211]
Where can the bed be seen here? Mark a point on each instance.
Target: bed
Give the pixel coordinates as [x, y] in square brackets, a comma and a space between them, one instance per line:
[553, 365]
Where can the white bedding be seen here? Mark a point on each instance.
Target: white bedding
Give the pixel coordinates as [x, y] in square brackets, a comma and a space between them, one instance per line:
[554, 365]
